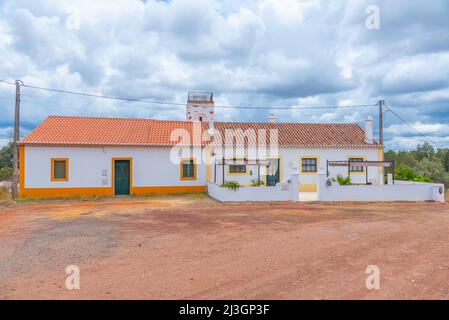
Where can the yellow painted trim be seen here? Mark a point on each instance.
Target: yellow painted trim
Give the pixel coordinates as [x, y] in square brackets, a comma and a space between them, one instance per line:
[181, 173]
[380, 157]
[106, 191]
[208, 165]
[65, 192]
[280, 169]
[307, 187]
[229, 173]
[309, 157]
[357, 172]
[130, 174]
[141, 191]
[21, 169]
[66, 169]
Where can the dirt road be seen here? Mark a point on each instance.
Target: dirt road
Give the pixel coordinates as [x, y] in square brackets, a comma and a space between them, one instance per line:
[195, 248]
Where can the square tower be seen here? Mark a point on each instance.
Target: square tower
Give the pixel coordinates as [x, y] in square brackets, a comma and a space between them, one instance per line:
[200, 106]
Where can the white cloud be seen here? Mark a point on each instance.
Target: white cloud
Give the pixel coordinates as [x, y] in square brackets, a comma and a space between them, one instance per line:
[287, 11]
[266, 53]
[424, 128]
[73, 21]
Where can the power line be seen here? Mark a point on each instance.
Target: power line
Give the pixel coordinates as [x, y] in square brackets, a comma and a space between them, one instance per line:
[221, 106]
[413, 128]
[183, 104]
[7, 82]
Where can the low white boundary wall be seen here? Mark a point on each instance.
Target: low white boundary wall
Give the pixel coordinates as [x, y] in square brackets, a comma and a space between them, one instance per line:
[286, 190]
[402, 191]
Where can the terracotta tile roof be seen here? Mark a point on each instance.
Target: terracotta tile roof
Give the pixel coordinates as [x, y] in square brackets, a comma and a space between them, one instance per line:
[90, 131]
[64, 130]
[302, 134]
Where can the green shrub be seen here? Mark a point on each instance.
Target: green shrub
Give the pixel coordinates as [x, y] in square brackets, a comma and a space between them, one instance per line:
[408, 174]
[341, 180]
[255, 183]
[232, 185]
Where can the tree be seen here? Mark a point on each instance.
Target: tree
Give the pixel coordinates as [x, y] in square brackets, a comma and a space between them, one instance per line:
[443, 156]
[401, 158]
[432, 169]
[6, 156]
[390, 155]
[405, 159]
[424, 151]
[5, 173]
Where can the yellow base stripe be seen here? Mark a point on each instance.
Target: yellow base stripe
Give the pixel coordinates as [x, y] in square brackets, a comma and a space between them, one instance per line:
[307, 187]
[65, 192]
[105, 191]
[141, 191]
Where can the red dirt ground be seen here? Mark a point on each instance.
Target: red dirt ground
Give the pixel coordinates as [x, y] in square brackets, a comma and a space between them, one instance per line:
[195, 248]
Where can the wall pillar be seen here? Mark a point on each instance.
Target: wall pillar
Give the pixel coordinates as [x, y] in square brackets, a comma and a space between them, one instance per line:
[320, 184]
[438, 193]
[294, 186]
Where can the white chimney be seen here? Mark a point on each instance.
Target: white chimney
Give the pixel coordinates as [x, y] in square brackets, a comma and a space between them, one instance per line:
[271, 118]
[369, 130]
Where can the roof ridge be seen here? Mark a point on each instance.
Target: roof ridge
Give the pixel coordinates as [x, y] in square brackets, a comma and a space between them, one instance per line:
[186, 121]
[102, 117]
[275, 123]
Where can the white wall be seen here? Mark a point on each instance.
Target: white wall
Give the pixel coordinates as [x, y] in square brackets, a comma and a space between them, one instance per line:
[290, 163]
[243, 179]
[286, 190]
[403, 191]
[151, 167]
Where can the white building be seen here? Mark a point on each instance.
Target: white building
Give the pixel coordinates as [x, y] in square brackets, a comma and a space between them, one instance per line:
[86, 156]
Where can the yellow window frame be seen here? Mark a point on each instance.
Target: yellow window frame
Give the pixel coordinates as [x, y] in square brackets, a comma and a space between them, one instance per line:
[53, 169]
[181, 171]
[309, 157]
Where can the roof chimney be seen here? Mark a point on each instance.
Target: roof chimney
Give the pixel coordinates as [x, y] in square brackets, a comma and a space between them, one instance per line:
[369, 130]
[271, 118]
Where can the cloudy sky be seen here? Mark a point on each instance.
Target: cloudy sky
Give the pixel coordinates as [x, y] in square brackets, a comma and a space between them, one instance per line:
[267, 53]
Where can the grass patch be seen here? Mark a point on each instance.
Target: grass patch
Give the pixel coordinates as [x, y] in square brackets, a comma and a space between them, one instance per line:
[4, 194]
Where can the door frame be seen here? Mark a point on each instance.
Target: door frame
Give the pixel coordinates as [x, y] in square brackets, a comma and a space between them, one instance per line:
[279, 158]
[130, 174]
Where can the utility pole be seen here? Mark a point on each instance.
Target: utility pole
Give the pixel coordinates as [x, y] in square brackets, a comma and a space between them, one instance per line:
[15, 146]
[381, 104]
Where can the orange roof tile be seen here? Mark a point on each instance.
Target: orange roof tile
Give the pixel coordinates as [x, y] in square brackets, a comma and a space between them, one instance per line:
[304, 134]
[91, 131]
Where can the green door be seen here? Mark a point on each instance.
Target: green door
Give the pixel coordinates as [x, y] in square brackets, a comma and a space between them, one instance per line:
[273, 172]
[121, 177]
